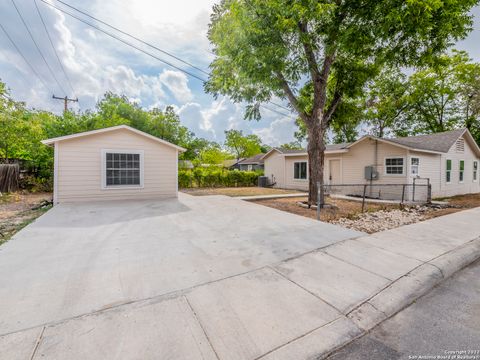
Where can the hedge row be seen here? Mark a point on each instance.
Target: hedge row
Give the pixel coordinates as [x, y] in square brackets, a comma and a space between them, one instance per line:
[215, 177]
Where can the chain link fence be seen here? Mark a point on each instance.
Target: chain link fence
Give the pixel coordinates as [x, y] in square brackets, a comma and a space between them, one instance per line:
[394, 192]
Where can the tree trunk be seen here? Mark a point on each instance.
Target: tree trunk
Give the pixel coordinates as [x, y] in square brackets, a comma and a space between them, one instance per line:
[316, 162]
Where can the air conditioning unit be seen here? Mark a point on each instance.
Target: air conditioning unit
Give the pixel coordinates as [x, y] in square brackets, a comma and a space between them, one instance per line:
[371, 173]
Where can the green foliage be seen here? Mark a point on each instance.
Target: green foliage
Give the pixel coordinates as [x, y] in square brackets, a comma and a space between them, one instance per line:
[214, 155]
[242, 145]
[325, 51]
[213, 176]
[293, 145]
[23, 129]
[386, 102]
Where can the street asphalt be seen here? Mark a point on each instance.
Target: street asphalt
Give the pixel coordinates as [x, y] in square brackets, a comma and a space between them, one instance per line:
[445, 322]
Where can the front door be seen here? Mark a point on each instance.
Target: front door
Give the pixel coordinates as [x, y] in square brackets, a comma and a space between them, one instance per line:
[334, 176]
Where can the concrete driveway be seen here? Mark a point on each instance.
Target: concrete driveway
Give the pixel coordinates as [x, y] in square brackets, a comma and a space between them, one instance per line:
[79, 259]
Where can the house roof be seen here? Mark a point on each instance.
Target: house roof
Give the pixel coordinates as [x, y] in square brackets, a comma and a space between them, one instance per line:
[230, 162]
[254, 160]
[436, 143]
[112, 128]
[441, 142]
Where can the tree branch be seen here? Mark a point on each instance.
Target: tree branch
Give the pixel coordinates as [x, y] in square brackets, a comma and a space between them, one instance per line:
[291, 96]
[337, 99]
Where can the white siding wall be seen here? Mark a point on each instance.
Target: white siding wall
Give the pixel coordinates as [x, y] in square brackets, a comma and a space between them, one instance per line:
[79, 168]
[274, 165]
[455, 187]
[290, 182]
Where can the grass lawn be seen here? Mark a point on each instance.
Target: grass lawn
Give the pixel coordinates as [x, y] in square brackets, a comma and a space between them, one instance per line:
[238, 191]
[17, 210]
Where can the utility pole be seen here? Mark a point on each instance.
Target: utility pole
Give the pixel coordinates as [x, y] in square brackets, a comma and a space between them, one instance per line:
[66, 100]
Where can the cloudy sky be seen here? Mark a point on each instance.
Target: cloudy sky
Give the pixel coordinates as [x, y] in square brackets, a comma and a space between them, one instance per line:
[96, 63]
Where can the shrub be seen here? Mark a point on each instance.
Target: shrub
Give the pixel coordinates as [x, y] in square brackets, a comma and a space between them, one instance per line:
[216, 177]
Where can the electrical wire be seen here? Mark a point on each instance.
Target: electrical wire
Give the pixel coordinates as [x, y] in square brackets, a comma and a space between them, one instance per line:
[53, 47]
[38, 48]
[25, 59]
[132, 37]
[144, 51]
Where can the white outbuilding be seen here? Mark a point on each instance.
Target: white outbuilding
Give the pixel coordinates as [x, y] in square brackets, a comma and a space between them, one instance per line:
[115, 163]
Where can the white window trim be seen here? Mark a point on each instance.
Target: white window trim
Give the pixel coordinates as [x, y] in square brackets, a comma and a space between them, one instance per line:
[298, 179]
[459, 161]
[104, 169]
[475, 171]
[385, 166]
[451, 170]
[412, 166]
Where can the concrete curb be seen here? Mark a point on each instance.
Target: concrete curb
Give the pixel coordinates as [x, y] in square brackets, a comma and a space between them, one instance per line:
[408, 288]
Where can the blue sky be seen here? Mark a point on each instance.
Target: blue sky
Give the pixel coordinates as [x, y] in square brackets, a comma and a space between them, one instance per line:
[95, 63]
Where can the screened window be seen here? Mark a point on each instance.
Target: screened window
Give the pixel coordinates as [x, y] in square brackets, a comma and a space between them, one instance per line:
[475, 170]
[448, 173]
[394, 166]
[122, 169]
[300, 170]
[415, 163]
[461, 170]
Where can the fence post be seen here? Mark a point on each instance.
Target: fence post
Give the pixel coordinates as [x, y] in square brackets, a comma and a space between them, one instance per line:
[413, 192]
[363, 199]
[318, 200]
[403, 193]
[429, 193]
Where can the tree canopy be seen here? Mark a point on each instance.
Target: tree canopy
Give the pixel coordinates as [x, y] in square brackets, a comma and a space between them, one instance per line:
[327, 49]
[242, 145]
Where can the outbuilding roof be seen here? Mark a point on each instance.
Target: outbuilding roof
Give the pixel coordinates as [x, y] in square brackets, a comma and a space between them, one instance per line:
[52, 141]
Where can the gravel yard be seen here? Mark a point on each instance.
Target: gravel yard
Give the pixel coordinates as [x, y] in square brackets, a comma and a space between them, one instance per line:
[377, 217]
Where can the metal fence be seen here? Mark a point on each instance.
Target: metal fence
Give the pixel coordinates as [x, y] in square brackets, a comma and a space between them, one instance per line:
[414, 192]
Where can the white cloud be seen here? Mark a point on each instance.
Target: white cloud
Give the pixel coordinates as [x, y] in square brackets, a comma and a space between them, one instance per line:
[177, 83]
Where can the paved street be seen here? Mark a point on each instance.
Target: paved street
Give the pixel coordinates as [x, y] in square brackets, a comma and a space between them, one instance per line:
[446, 319]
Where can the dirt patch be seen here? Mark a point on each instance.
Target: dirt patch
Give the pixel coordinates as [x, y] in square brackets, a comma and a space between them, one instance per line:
[238, 191]
[377, 217]
[18, 210]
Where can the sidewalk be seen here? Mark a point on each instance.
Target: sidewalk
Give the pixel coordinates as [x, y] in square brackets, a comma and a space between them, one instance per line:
[301, 308]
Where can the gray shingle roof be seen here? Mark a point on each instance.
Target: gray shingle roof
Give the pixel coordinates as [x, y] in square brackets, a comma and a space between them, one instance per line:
[257, 159]
[440, 142]
[330, 147]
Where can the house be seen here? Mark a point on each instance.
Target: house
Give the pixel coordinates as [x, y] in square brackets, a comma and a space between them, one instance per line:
[449, 160]
[252, 163]
[114, 163]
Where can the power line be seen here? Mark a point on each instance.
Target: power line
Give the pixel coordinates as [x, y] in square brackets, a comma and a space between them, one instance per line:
[24, 58]
[132, 36]
[143, 51]
[38, 48]
[125, 42]
[53, 47]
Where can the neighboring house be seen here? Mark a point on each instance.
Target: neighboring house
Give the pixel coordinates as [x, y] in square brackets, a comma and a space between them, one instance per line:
[450, 160]
[114, 163]
[231, 164]
[252, 163]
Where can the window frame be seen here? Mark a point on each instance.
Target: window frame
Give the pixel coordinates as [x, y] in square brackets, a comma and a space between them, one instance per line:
[385, 166]
[460, 171]
[415, 166]
[104, 185]
[306, 171]
[448, 180]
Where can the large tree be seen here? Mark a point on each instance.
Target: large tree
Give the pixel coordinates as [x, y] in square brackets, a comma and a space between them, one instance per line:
[267, 48]
[438, 94]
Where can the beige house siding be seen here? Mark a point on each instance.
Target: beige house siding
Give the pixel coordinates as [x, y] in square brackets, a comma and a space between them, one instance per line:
[274, 169]
[290, 182]
[79, 167]
[456, 187]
